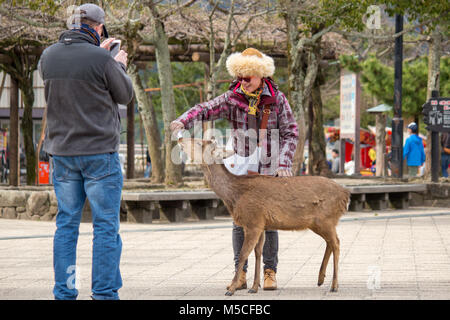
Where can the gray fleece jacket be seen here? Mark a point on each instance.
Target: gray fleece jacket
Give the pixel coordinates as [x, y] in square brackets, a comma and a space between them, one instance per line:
[83, 85]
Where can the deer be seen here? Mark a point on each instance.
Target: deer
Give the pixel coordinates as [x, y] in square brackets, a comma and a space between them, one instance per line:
[261, 202]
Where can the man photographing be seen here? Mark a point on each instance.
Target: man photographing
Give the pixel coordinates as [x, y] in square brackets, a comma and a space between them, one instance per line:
[83, 86]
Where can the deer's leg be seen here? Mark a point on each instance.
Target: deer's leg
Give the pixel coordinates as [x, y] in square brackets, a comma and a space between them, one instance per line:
[251, 238]
[258, 253]
[323, 267]
[336, 250]
[328, 233]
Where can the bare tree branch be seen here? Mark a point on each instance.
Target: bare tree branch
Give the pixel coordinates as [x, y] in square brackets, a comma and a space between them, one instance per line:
[30, 22]
[250, 19]
[389, 37]
[173, 10]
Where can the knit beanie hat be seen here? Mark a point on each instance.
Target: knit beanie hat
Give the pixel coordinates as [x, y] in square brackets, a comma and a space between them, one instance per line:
[250, 62]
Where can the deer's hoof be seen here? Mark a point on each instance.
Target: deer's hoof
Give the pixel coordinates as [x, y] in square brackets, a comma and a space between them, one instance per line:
[228, 293]
[333, 289]
[252, 291]
[320, 281]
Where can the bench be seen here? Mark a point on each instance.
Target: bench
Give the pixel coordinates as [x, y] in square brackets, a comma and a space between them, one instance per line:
[176, 206]
[173, 206]
[379, 197]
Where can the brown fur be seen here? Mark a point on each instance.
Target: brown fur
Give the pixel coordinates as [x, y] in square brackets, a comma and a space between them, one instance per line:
[259, 203]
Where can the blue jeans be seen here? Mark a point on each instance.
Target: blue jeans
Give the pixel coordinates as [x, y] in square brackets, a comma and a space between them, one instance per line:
[445, 162]
[99, 178]
[147, 171]
[270, 248]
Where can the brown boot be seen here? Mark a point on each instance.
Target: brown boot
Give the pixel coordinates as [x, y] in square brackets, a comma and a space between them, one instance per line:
[270, 281]
[242, 282]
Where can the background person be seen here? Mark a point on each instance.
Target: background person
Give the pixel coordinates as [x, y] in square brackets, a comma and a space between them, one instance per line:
[413, 150]
[83, 85]
[445, 155]
[252, 90]
[335, 162]
[148, 168]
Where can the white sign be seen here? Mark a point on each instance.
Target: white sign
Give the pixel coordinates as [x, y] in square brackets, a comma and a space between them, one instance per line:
[348, 106]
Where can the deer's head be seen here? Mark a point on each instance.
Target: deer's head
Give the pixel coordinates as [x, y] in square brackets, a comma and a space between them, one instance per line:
[204, 151]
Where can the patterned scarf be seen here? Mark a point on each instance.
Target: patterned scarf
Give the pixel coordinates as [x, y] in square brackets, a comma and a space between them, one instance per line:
[84, 28]
[253, 99]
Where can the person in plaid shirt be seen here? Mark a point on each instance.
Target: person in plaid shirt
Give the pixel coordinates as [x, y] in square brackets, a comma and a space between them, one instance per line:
[249, 94]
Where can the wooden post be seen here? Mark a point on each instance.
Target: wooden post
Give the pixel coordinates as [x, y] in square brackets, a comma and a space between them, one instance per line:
[380, 143]
[141, 132]
[356, 147]
[397, 121]
[14, 172]
[130, 139]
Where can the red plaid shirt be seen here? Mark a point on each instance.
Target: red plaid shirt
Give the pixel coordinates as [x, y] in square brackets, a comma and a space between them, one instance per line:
[233, 106]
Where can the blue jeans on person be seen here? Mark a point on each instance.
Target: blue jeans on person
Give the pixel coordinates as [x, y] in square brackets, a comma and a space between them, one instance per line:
[99, 179]
[270, 248]
[445, 162]
[148, 170]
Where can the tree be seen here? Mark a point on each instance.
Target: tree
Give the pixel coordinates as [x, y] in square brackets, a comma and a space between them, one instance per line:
[25, 32]
[378, 80]
[428, 14]
[431, 12]
[306, 24]
[130, 27]
[160, 41]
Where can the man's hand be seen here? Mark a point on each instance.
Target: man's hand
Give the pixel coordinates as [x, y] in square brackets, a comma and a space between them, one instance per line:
[107, 43]
[284, 173]
[122, 57]
[176, 126]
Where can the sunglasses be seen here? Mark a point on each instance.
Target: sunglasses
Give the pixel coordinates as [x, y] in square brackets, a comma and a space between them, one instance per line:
[244, 79]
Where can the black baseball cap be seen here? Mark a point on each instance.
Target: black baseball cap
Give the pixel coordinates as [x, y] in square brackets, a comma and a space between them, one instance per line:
[94, 13]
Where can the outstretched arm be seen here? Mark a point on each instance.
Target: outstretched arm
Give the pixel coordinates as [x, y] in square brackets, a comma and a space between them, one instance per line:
[214, 109]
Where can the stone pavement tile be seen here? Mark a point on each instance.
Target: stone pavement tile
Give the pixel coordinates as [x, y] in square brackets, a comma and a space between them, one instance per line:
[411, 254]
[202, 297]
[395, 296]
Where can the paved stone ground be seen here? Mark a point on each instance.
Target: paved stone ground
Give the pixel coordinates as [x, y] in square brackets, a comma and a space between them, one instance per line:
[402, 254]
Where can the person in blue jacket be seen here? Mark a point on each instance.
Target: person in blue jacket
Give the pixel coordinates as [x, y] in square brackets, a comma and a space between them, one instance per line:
[413, 150]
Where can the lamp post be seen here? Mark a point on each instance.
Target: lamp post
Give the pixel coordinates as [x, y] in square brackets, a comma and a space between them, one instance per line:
[397, 121]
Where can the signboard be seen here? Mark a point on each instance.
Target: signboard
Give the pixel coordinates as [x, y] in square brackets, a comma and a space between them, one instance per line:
[349, 113]
[437, 114]
[349, 116]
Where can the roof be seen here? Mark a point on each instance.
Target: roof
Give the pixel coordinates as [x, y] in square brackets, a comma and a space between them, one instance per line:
[380, 108]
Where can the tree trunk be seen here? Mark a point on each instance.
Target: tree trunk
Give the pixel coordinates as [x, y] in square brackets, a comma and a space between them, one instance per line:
[295, 93]
[152, 134]
[26, 88]
[317, 145]
[130, 139]
[434, 70]
[172, 170]
[303, 65]
[21, 68]
[14, 133]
